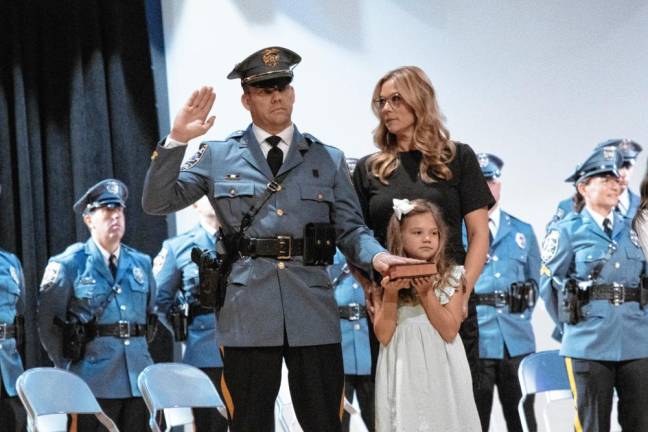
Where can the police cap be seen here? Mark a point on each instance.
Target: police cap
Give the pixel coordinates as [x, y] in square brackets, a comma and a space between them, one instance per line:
[629, 149]
[491, 165]
[604, 160]
[268, 67]
[107, 193]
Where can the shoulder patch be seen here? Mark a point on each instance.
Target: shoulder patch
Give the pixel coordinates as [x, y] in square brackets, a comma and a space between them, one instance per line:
[159, 260]
[634, 238]
[550, 245]
[193, 160]
[14, 275]
[51, 273]
[520, 239]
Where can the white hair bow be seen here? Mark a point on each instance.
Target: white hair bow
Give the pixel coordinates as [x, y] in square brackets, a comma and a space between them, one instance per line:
[402, 207]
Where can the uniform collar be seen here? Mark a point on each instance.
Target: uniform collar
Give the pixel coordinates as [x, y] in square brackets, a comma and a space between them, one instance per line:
[599, 219]
[105, 254]
[286, 135]
[494, 219]
[624, 202]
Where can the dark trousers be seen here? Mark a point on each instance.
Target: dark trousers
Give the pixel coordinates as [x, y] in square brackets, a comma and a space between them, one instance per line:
[503, 374]
[252, 377]
[470, 337]
[129, 414]
[209, 419]
[12, 414]
[363, 387]
[593, 383]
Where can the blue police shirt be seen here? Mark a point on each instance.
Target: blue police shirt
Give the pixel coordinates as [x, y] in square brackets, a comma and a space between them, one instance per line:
[572, 249]
[177, 277]
[12, 291]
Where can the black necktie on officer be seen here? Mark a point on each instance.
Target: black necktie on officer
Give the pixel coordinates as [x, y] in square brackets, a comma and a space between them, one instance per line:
[491, 228]
[607, 227]
[275, 155]
[112, 265]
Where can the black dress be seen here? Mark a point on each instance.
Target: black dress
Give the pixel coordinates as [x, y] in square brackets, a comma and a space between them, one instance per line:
[464, 192]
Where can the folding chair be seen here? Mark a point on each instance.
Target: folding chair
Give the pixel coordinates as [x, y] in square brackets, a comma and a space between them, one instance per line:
[175, 388]
[543, 372]
[49, 394]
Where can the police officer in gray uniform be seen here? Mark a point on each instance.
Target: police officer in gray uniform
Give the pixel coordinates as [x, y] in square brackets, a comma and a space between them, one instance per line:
[505, 293]
[12, 294]
[176, 276]
[279, 302]
[591, 284]
[93, 306]
[628, 200]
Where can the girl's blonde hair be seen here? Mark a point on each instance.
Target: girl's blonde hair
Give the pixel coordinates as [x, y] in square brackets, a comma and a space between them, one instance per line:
[443, 262]
[430, 136]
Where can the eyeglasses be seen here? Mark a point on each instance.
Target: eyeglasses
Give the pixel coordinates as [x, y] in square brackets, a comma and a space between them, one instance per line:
[395, 101]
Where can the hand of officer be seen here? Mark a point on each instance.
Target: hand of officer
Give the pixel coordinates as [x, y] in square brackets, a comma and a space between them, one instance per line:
[384, 260]
[371, 290]
[191, 121]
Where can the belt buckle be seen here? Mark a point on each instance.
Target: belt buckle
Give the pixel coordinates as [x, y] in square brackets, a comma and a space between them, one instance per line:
[285, 247]
[3, 331]
[618, 294]
[500, 299]
[124, 329]
[354, 311]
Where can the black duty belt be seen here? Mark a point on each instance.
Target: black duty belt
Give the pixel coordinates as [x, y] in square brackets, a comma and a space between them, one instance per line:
[352, 311]
[497, 299]
[121, 329]
[7, 331]
[280, 247]
[615, 293]
[196, 309]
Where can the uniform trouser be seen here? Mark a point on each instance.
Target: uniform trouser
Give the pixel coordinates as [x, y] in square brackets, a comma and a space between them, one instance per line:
[12, 414]
[252, 377]
[363, 387]
[503, 374]
[129, 414]
[209, 419]
[593, 382]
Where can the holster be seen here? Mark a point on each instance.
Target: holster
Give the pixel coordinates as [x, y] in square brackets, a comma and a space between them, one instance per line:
[570, 300]
[151, 326]
[319, 244]
[75, 337]
[522, 296]
[179, 322]
[644, 292]
[214, 268]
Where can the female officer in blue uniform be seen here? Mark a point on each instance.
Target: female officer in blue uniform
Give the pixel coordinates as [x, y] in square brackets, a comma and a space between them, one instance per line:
[505, 333]
[591, 274]
[12, 291]
[176, 276]
[356, 353]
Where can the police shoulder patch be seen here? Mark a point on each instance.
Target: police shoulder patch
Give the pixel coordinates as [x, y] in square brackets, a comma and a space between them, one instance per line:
[51, 273]
[193, 160]
[159, 260]
[520, 239]
[550, 245]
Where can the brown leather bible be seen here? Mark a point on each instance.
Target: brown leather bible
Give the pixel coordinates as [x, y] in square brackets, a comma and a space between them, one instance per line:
[412, 270]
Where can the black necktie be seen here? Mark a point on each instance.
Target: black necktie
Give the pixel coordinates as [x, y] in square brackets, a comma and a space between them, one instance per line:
[607, 227]
[112, 265]
[275, 155]
[491, 226]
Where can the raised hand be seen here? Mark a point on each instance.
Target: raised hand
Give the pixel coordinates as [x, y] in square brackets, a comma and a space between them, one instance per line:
[191, 121]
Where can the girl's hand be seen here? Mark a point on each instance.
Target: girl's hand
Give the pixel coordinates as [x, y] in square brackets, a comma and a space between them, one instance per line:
[393, 286]
[422, 285]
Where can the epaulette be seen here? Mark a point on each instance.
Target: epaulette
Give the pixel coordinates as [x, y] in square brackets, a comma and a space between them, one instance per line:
[70, 250]
[235, 135]
[311, 138]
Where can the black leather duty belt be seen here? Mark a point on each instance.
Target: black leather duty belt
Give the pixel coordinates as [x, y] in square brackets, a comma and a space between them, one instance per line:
[615, 293]
[7, 331]
[196, 309]
[352, 311]
[497, 299]
[121, 329]
[280, 247]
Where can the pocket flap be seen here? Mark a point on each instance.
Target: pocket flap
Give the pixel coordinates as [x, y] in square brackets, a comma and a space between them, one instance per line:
[316, 193]
[233, 189]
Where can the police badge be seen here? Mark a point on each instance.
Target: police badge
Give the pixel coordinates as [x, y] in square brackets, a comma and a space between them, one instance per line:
[482, 158]
[113, 188]
[520, 239]
[550, 245]
[138, 274]
[271, 57]
[609, 152]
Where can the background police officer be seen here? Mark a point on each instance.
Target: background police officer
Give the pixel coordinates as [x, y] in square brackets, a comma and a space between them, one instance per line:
[592, 265]
[628, 200]
[105, 287]
[12, 292]
[276, 307]
[176, 276]
[505, 333]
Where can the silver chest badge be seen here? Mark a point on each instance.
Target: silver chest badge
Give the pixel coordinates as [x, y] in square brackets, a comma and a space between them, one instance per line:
[138, 274]
[520, 239]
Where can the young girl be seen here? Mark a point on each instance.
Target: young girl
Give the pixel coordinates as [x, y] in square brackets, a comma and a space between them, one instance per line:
[423, 379]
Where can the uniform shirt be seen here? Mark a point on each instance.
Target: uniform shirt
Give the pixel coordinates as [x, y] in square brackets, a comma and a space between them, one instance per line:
[12, 293]
[76, 283]
[355, 334]
[573, 248]
[176, 275]
[513, 256]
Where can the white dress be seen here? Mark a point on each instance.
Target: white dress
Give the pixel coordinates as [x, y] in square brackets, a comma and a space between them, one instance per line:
[422, 382]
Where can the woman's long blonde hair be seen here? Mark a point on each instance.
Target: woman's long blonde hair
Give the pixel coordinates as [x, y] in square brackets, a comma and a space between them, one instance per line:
[395, 245]
[430, 136]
